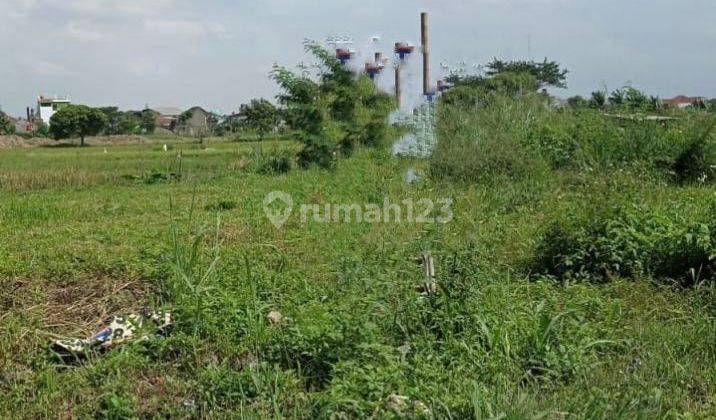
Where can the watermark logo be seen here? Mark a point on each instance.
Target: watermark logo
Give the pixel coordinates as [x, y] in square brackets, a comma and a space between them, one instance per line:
[279, 205]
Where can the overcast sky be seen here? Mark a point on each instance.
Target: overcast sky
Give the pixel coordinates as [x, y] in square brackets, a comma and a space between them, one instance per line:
[217, 54]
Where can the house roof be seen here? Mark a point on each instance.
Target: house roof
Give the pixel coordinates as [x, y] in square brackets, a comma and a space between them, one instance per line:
[683, 99]
[42, 100]
[197, 108]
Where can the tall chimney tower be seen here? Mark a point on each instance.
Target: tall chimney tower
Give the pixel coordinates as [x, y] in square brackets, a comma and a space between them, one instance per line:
[426, 52]
[397, 85]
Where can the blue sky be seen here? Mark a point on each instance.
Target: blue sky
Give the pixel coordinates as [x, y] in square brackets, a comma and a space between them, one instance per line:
[217, 54]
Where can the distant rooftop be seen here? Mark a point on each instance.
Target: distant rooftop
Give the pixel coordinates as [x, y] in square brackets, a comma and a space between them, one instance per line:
[43, 100]
[168, 111]
[683, 100]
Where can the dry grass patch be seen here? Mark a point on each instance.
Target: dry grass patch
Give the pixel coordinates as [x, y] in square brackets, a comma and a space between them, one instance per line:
[72, 308]
[57, 178]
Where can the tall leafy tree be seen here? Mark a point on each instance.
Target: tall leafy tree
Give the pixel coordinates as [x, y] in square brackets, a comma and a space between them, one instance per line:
[77, 121]
[617, 98]
[259, 115]
[547, 73]
[635, 98]
[147, 122]
[334, 111]
[129, 123]
[113, 115]
[598, 99]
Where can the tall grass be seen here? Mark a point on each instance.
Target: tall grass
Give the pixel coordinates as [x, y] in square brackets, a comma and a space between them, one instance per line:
[488, 143]
[193, 279]
[356, 338]
[507, 137]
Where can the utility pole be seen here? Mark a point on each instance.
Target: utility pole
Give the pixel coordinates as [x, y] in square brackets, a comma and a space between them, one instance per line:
[397, 85]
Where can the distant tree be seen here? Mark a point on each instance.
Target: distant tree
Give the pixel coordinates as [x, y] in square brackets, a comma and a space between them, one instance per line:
[655, 103]
[598, 99]
[469, 91]
[699, 104]
[77, 120]
[617, 98]
[259, 115]
[712, 105]
[635, 99]
[129, 123]
[113, 115]
[147, 122]
[577, 102]
[40, 129]
[513, 84]
[547, 73]
[6, 126]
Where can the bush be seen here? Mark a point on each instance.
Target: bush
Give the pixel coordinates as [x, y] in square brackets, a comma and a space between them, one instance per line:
[628, 242]
[40, 129]
[586, 139]
[277, 164]
[697, 161]
[334, 114]
[273, 162]
[473, 91]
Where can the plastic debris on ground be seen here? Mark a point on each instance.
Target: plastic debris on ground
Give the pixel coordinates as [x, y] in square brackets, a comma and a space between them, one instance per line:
[122, 329]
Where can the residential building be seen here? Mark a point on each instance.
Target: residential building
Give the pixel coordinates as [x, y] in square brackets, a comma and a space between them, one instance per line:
[23, 126]
[683, 101]
[196, 121]
[46, 107]
[166, 117]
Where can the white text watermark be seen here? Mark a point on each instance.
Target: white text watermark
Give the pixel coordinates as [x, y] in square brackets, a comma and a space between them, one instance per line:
[279, 206]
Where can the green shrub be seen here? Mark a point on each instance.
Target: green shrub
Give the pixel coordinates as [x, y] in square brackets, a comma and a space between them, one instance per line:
[277, 163]
[271, 162]
[114, 406]
[697, 160]
[316, 341]
[321, 150]
[628, 242]
[335, 113]
[586, 139]
[473, 91]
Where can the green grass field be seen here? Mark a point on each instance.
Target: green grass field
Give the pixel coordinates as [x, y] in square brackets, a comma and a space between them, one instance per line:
[87, 234]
